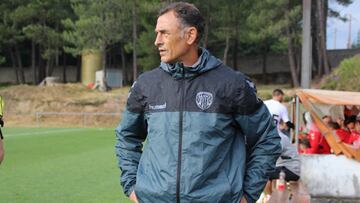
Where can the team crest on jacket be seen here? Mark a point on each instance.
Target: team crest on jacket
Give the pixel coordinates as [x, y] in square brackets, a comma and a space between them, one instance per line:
[204, 100]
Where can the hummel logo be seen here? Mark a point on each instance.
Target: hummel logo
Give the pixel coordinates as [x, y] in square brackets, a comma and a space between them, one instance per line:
[157, 107]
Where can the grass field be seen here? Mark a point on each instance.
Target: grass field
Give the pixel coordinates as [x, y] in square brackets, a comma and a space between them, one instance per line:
[45, 165]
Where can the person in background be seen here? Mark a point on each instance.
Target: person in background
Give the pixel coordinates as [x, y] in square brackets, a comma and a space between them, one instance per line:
[318, 143]
[278, 110]
[2, 153]
[357, 126]
[343, 135]
[350, 124]
[289, 161]
[326, 119]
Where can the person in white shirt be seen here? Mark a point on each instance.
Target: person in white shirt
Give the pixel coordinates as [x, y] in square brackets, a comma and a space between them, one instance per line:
[289, 162]
[278, 110]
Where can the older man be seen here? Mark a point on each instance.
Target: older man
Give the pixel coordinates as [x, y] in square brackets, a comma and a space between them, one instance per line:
[209, 138]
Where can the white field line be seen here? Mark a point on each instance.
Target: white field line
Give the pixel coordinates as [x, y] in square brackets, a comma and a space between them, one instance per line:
[35, 132]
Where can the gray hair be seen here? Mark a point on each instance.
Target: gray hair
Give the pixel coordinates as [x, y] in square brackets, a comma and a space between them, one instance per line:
[188, 15]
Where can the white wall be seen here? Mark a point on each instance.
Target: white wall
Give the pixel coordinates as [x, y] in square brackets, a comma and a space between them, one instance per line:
[331, 176]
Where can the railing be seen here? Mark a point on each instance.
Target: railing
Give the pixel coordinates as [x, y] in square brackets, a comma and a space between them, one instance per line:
[84, 115]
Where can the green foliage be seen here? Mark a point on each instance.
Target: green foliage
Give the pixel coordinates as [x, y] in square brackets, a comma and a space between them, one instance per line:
[266, 26]
[2, 59]
[147, 52]
[345, 77]
[40, 21]
[60, 165]
[98, 24]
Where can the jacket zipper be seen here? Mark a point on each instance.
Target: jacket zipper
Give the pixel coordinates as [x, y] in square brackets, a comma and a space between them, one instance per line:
[180, 138]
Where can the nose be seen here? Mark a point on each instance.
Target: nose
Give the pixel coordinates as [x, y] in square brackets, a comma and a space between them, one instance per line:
[158, 40]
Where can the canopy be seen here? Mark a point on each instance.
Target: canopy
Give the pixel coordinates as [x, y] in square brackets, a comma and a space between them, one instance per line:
[311, 97]
[332, 97]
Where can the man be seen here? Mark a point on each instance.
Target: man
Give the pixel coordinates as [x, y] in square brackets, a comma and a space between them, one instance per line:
[196, 114]
[278, 110]
[289, 161]
[1, 125]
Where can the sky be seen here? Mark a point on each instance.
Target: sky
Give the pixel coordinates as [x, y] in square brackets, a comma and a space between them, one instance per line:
[342, 28]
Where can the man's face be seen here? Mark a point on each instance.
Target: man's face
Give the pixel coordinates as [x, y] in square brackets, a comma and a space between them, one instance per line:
[279, 97]
[169, 40]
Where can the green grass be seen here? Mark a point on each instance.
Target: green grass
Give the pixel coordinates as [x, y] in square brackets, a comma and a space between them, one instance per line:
[60, 165]
[345, 77]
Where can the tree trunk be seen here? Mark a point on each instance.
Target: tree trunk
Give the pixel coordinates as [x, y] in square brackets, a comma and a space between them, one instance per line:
[51, 64]
[317, 59]
[135, 69]
[78, 69]
[47, 67]
[264, 72]
[64, 67]
[235, 53]
[291, 55]
[298, 62]
[13, 62]
[33, 61]
[206, 28]
[20, 65]
[104, 66]
[123, 66]
[226, 50]
[320, 4]
[42, 70]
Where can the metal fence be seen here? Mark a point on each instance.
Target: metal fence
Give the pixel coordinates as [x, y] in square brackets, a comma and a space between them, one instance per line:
[82, 117]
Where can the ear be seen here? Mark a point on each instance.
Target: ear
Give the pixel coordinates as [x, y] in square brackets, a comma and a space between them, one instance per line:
[191, 35]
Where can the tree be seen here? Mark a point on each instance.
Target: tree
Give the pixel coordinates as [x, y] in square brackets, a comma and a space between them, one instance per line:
[40, 21]
[276, 30]
[320, 13]
[146, 50]
[11, 36]
[98, 25]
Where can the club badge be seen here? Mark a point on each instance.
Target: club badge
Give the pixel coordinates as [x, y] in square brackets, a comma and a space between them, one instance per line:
[204, 100]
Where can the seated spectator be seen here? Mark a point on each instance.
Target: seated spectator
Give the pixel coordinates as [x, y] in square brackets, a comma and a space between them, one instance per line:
[318, 143]
[288, 162]
[326, 119]
[350, 125]
[340, 121]
[356, 143]
[357, 126]
[344, 135]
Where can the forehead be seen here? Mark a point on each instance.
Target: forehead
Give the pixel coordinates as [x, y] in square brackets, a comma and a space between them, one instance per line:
[167, 21]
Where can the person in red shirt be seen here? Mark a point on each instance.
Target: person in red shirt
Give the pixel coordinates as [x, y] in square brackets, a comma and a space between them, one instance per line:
[354, 135]
[343, 134]
[318, 143]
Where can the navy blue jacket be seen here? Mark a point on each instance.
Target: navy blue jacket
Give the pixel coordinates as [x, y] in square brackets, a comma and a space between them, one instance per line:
[209, 138]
